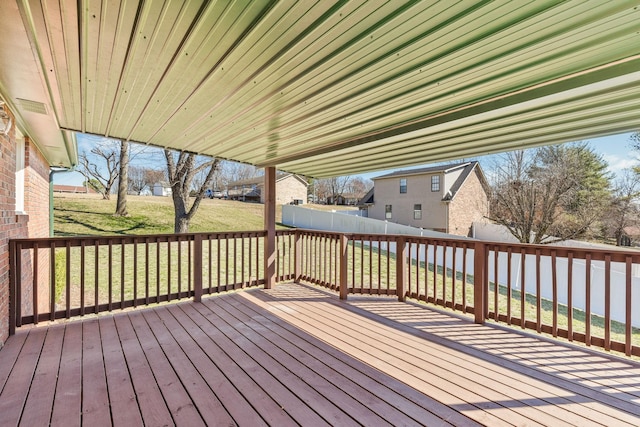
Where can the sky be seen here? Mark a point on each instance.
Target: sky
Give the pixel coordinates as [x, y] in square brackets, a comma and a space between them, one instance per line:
[615, 150]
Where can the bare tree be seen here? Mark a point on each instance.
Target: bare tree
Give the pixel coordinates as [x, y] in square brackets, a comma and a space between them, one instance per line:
[182, 167]
[137, 179]
[624, 210]
[101, 166]
[233, 171]
[358, 187]
[550, 194]
[123, 180]
[321, 190]
[153, 176]
[331, 189]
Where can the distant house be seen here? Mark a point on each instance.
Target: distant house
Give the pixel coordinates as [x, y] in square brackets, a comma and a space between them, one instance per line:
[162, 189]
[630, 236]
[290, 188]
[344, 199]
[58, 188]
[447, 198]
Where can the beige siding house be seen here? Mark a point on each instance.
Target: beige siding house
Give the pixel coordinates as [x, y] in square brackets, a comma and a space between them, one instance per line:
[447, 198]
[289, 188]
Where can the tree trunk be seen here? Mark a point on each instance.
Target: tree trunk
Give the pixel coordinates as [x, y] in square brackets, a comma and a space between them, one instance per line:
[123, 184]
[181, 172]
[181, 224]
[181, 217]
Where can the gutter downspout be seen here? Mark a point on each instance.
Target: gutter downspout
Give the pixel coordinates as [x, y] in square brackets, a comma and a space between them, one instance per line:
[53, 171]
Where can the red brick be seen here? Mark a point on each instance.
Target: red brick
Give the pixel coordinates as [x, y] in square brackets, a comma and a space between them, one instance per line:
[34, 224]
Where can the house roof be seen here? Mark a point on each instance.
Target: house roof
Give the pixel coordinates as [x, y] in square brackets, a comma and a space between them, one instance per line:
[60, 188]
[260, 180]
[468, 170]
[367, 199]
[321, 88]
[428, 170]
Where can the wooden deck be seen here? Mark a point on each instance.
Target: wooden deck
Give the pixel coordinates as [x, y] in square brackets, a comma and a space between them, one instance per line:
[296, 355]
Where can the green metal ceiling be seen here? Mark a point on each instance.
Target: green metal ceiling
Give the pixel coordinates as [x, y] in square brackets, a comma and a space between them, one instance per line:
[324, 87]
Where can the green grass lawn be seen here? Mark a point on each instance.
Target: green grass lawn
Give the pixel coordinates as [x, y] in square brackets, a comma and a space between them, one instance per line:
[82, 215]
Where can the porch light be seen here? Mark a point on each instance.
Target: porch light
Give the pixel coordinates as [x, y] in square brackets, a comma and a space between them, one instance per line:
[5, 120]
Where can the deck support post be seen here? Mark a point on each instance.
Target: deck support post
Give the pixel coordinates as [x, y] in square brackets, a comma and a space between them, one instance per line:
[344, 261]
[479, 281]
[297, 256]
[401, 267]
[197, 268]
[270, 226]
[13, 289]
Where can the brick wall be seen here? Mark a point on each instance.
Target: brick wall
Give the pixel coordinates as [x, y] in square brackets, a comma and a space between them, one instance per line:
[469, 205]
[34, 223]
[37, 207]
[288, 189]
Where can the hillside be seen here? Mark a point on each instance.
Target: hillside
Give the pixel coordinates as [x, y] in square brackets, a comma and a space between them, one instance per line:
[82, 214]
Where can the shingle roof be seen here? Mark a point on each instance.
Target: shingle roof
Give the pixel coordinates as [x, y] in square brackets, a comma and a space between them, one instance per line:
[431, 169]
[367, 199]
[461, 179]
[259, 180]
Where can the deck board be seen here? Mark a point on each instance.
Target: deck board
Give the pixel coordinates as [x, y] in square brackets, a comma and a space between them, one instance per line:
[67, 403]
[296, 355]
[122, 398]
[15, 392]
[322, 381]
[369, 407]
[264, 404]
[503, 398]
[161, 397]
[224, 390]
[366, 379]
[207, 403]
[95, 393]
[37, 410]
[524, 353]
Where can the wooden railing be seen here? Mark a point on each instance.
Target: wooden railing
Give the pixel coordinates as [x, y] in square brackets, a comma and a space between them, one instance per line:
[584, 295]
[62, 277]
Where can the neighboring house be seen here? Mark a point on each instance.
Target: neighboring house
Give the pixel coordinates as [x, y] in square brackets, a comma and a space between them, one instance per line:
[630, 236]
[350, 199]
[59, 188]
[162, 189]
[289, 189]
[366, 202]
[447, 198]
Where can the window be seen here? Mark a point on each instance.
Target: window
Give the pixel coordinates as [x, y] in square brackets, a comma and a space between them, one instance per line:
[387, 211]
[435, 183]
[403, 185]
[417, 211]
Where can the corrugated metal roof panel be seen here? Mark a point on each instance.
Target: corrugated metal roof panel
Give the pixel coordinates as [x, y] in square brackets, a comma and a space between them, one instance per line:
[330, 87]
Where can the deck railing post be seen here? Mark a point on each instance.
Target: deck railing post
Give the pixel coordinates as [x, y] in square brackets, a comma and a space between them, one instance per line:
[344, 261]
[13, 291]
[197, 268]
[297, 256]
[401, 267]
[479, 281]
[270, 227]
